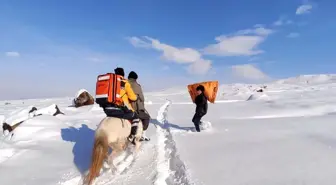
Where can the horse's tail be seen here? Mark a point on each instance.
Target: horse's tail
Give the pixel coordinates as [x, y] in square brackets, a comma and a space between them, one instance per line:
[99, 152]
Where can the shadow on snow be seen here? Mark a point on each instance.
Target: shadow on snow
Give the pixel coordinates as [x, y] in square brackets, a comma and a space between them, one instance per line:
[168, 125]
[83, 138]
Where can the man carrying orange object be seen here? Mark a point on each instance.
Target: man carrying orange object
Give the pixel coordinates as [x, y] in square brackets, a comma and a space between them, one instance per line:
[201, 102]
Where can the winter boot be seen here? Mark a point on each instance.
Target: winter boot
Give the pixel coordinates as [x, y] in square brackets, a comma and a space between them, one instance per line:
[197, 127]
[144, 137]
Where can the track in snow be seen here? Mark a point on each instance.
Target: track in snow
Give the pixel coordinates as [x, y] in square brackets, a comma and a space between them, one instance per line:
[171, 169]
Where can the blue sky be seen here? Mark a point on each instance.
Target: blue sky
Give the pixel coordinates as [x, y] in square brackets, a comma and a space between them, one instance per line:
[55, 47]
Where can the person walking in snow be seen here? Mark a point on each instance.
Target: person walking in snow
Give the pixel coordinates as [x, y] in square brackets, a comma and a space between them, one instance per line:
[201, 102]
[139, 104]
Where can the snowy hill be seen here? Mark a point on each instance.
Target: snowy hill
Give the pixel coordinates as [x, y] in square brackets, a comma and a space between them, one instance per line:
[309, 79]
[282, 135]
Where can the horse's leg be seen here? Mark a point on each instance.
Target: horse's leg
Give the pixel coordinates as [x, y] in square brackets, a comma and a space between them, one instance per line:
[116, 150]
[106, 162]
[126, 142]
[137, 145]
[123, 143]
[138, 137]
[110, 160]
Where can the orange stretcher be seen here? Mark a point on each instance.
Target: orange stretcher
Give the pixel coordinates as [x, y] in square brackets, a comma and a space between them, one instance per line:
[211, 88]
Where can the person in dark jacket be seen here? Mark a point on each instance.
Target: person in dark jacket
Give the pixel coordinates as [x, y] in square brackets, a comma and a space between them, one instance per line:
[139, 104]
[201, 102]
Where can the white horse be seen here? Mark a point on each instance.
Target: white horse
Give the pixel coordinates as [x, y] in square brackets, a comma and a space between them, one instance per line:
[111, 132]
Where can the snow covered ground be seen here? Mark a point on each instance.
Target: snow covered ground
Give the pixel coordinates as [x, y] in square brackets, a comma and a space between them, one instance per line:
[284, 135]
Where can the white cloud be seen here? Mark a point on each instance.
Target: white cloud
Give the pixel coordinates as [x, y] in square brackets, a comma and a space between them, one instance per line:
[258, 30]
[242, 43]
[278, 23]
[282, 21]
[293, 35]
[248, 71]
[304, 9]
[171, 53]
[12, 54]
[235, 46]
[137, 42]
[199, 67]
[174, 54]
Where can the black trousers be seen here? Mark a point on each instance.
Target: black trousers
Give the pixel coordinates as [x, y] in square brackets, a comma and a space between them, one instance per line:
[145, 124]
[122, 113]
[145, 117]
[197, 120]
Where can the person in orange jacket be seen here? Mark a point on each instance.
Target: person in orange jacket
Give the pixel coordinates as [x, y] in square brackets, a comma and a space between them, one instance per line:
[124, 111]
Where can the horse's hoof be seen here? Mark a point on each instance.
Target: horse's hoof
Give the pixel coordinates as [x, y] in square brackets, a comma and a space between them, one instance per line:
[106, 165]
[114, 170]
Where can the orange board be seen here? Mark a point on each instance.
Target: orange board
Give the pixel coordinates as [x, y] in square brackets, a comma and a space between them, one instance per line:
[211, 88]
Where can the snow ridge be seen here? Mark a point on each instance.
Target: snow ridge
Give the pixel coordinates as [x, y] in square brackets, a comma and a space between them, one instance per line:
[309, 79]
[170, 168]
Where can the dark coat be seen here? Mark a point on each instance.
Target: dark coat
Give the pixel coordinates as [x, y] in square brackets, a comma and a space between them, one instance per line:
[201, 105]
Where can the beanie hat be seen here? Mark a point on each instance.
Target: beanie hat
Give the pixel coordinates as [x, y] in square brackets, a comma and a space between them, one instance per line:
[133, 75]
[119, 71]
